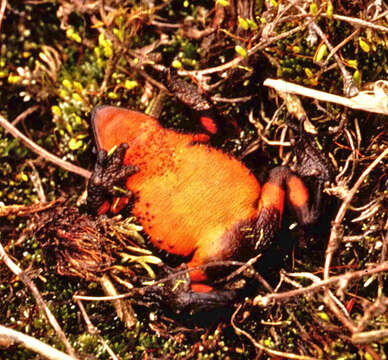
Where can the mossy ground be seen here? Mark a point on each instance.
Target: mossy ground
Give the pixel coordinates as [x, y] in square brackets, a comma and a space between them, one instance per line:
[59, 59]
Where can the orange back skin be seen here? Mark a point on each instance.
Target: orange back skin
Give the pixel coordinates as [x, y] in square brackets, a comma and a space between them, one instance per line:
[187, 194]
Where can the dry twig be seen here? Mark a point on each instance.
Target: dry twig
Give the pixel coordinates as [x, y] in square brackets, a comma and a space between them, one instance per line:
[335, 238]
[38, 298]
[335, 232]
[11, 337]
[373, 102]
[42, 152]
[319, 285]
[359, 22]
[25, 210]
[349, 87]
[257, 345]
[24, 114]
[94, 331]
[3, 6]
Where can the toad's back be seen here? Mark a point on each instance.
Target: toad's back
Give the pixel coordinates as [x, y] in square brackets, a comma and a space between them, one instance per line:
[188, 194]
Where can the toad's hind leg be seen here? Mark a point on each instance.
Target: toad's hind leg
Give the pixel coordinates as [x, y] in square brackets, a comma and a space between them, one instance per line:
[282, 185]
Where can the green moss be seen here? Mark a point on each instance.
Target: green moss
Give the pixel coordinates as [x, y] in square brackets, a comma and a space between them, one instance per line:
[65, 60]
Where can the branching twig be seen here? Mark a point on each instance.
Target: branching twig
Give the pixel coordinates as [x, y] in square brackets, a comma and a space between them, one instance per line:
[38, 298]
[94, 331]
[369, 336]
[259, 346]
[47, 351]
[342, 44]
[24, 114]
[25, 210]
[42, 152]
[362, 101]
[349, 88]
[319, 285]
[198, 74]
[3, 6]
[359, 22]
[335, 238]
[334, 235]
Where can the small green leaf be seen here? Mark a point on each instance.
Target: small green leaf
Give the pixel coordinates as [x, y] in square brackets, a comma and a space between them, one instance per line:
[309, 73]
[268, 342]
[274, 3]
[296, 49]
[353, 64]
[23, 176]
[78, 120]
[357, 78]
[63, 93]
[241, 51]
[56, 110]
[77, 38]
[223, 2]
[97, 51]
[130, 84]
[320, 53]
[252, 24]
[323, 316]
[69, 32]
[119, 34]
[112, 95]
[243, 23]
[108, 52]
[69, 128]
[13, 79]
[75, 144]
[176, 64]
[78, 86]
[102, 40]
[364, 45]
[313, 8]
[77, 97]
[330, 10]
[67, 83]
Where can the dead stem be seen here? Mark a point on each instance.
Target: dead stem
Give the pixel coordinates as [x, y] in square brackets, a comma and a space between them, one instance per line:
[335, 238]
[172, 276]
[363, 101]
[24, 114]
[25, 210]
[198, 74]
[335, 234]
[341, 44]
[94, 331]
[37, 182]
[261, 347]
[359, 22]
[11, 337]
[42, 152]
[38, 298]
[369, 336]
[349, 88]
[319, 285]
[3, 6]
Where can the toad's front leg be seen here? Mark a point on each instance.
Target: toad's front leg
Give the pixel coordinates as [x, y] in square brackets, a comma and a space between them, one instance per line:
[107, 182]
